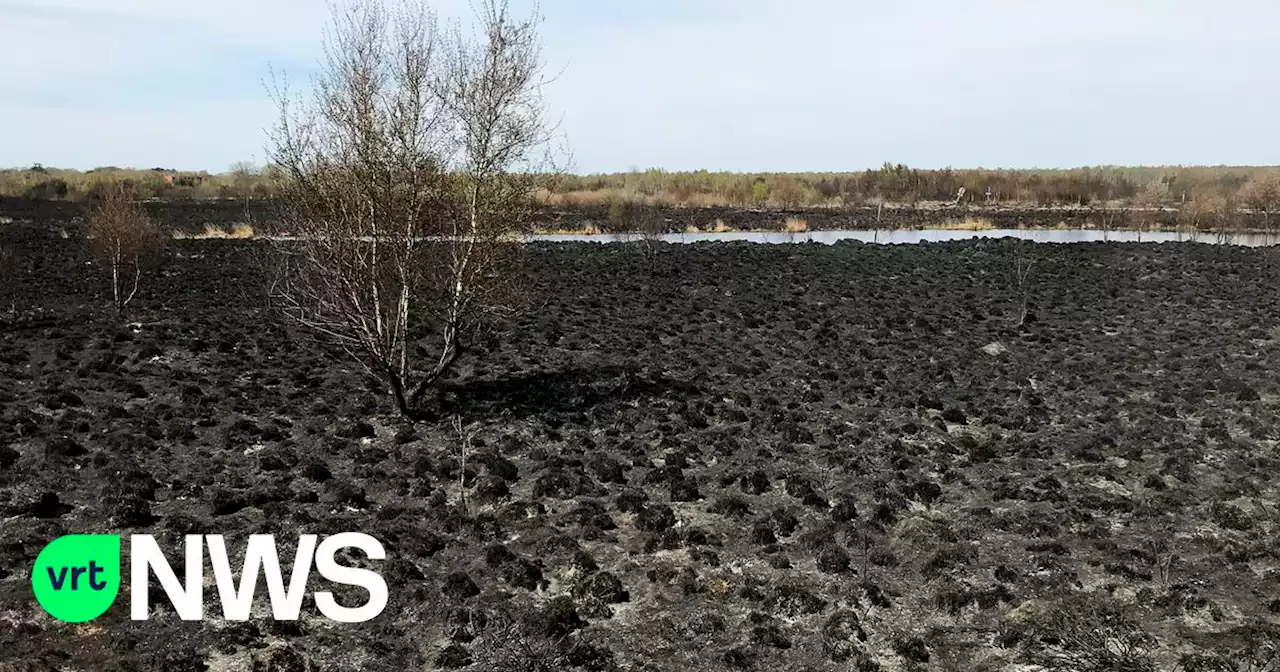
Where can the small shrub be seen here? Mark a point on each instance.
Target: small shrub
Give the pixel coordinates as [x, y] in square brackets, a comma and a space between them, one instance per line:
[912, 649]
[237, 231]
[760, 192]
[621, 214]
[649, 223]
[730, 505]
[833, 560]
[1085, 634]
[1262, 195]
[47, 190]
[789, 192]
[795, 225]
[1230, 516]
[511, 644]
[120, 236]
[1206, 211]
[1250, 648]
[968, 224]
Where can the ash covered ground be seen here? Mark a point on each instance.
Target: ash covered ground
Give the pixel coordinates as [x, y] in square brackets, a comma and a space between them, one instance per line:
[735, 456]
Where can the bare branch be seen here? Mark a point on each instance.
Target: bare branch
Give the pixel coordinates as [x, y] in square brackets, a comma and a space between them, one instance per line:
[406, 176]
[120, 235]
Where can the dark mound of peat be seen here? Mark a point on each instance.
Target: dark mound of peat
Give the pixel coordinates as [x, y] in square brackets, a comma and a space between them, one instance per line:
[732, 456]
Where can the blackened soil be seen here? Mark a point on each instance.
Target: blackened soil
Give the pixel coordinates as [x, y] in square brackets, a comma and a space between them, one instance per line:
[192, 217]
[733, 456]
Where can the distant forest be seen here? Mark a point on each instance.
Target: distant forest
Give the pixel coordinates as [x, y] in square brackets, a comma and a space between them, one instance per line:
[1229, 188]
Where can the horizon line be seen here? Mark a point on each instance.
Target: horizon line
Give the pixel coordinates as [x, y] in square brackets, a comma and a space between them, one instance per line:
[658, 169]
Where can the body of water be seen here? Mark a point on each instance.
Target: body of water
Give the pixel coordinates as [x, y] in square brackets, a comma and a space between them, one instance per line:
[914, 236]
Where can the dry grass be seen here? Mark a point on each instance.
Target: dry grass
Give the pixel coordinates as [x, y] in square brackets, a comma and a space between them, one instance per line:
[583, 197]
[795, 225]
[699, 200]
[587, 229]
[211, 232]
[692, 228]
[588, 197]
[722, 227]
[967, 224]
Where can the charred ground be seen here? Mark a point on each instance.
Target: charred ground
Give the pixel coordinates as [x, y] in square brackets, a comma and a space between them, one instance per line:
[193, 216]
[731, 456]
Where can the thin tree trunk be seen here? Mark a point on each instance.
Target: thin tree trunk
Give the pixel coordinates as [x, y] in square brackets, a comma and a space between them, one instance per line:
[452, 348]
[137, 277]
[448, 358]
[403, 317]
[397, 392]
[115, 284]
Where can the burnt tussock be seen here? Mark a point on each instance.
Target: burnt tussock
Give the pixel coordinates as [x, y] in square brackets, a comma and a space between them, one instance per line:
[717, 456]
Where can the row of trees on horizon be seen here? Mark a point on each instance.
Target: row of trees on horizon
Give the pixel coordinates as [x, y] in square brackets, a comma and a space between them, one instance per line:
[1253, 187]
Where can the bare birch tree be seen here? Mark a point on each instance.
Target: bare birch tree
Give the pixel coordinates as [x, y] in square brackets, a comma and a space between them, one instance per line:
[1262, 195]
[120, 236]
[1145, 209]
[401, 188]
[489, 87]
[1115, 218]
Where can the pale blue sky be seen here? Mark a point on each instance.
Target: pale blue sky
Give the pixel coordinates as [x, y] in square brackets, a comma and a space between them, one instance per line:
[748, 85]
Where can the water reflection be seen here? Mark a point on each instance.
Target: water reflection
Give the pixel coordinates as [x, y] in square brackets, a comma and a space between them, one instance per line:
[914, 236]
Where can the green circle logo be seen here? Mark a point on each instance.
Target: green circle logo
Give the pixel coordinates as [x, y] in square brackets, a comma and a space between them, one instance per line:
[76, 577]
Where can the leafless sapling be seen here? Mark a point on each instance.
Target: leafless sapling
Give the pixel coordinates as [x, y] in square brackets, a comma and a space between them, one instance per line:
[1163, 554]
[1146, 207]
[464, 452]
[120, 236]
[1262, 195]
[1205, 211]
[1115, 218]
[1022, 264]
[649, 226]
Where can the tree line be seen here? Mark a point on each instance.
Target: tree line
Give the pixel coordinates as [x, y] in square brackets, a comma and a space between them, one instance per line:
[1253, 187]
[897, 184]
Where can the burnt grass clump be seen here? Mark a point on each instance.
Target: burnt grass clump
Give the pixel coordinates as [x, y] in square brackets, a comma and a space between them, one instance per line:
[726, 456]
